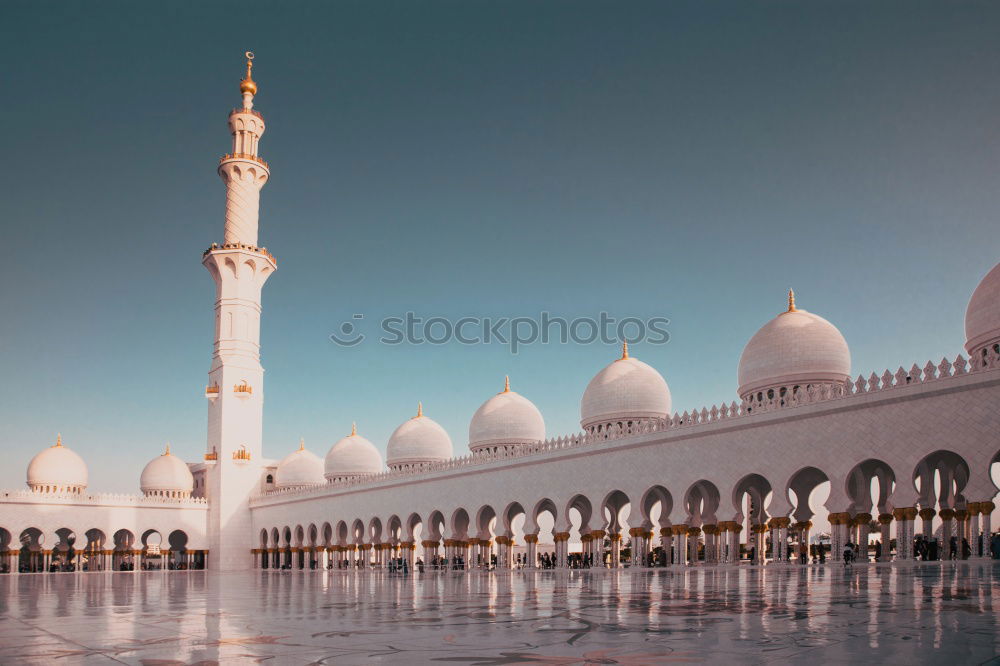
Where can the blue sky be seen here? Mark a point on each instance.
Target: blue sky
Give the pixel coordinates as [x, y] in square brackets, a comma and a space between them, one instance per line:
[684, 160]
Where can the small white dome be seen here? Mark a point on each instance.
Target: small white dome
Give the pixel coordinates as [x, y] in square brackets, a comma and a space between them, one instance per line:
[417, 441]
[57, 469]
[506, 419]
[628, 389]
[982, 317]
[352, 456]
[796, 347]
[166, 475]
[299, 468]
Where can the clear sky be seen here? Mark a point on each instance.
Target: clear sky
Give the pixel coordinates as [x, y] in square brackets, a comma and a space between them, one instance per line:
[682, 160]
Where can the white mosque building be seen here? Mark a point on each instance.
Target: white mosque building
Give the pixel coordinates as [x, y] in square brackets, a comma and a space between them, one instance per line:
[905, 452]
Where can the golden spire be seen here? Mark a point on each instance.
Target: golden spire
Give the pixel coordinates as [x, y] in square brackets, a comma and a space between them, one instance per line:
[420, 410]
[58, 439]
[302, 443]
[791, 301]
[354, 429]
[506, 383]
[247, 85]
[624, 351]
[166, 452]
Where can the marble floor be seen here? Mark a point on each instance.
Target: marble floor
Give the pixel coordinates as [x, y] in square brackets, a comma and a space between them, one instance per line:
[931, 613]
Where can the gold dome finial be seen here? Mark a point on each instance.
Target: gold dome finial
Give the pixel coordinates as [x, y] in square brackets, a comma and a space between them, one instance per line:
[624, 351]
[791, 301]
[58, 439]
[420, 410]
[506, 383]
[354, 429]
[247, 85]
[166, 451]
[302, 443]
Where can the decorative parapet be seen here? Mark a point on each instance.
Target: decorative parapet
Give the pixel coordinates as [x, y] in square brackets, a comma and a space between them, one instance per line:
[100, 499]
[240, 246]
[806, 395]
[243, 156]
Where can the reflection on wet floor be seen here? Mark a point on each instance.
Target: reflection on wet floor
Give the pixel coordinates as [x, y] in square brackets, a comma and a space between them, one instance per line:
[896, 615]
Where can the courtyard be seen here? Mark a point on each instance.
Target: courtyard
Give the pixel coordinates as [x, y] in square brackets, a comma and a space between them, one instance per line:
[888, 614]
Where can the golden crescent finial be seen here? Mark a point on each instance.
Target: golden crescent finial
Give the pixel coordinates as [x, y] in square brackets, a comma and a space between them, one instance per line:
[302, 443]
[166, 451]
[506, 383]
[247, 85]
[420, 409]
[624, 351]
[354, 429]
[791, 301]
[58, 439]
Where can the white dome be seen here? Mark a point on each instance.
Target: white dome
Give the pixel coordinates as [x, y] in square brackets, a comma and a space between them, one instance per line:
[982, 317]
[796, 347]
[352, 456]
[418, 440]
[166, 474]
[628, 389]
[57, 469]
[507, 418]
[299, 468]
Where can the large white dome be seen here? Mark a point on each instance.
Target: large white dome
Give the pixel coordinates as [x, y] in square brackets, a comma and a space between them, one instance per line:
[299, 468]
[166, 475]
[796, 347]
[626, 390]
[506, 419]
[352, 456]
[982, 317]
[57, 469]
[418, 441]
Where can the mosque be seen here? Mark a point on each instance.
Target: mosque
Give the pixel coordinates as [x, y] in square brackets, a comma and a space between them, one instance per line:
[904, 452]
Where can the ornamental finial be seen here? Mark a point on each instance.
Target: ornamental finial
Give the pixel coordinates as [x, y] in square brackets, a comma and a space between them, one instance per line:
[354, 429]
[624, 351]
[247, 85]
[420, 410]
[58, 439]
[791, 301]
[506, 383]
[166, 451]
[302, 443]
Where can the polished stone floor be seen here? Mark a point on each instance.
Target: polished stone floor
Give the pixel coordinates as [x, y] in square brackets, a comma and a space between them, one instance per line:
[934, 613]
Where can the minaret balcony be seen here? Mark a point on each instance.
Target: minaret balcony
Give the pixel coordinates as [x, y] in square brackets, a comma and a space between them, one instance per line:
[211, 458]
[244, 156]
[216, 247]
[243, 390]
[212, 392]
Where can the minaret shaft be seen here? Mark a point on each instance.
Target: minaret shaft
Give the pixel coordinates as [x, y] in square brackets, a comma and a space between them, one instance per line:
[234, 447]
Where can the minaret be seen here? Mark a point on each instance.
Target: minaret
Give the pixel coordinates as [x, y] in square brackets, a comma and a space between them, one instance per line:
[236, 379]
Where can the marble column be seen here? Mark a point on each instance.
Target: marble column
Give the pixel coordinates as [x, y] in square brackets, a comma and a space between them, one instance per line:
[680, 544]
[904, 517]
[986, 509]
[863, 522]
[927, 525]
[693, 534]
[947, 532]
[711, 543]
[885, 524]
[666, 543]
[616, 549]
[531, 541]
